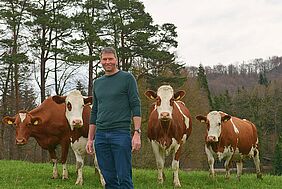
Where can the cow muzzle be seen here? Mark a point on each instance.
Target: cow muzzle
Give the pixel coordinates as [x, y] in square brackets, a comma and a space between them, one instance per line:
[212, 139]
[21, 141]
[77, 123]
[165, 116]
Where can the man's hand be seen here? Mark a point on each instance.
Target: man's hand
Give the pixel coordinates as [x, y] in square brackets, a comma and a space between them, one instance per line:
[136, 141]
[89, 147]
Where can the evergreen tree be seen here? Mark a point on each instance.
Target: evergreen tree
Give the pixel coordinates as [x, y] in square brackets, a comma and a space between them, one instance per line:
[203, 83]
[277, 165]
[263, 79]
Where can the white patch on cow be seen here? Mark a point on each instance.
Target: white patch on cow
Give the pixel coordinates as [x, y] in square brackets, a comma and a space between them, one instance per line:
[234, 126]
[214, 118]
[165, 92]
[74, 116]
[227, 152]
[22, 116]
[78, 148]
[210, 156]
[252, 152]
[186, 119]
[184, 138]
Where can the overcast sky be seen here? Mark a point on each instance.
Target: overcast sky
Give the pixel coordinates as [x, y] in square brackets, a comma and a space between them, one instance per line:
[222, 31]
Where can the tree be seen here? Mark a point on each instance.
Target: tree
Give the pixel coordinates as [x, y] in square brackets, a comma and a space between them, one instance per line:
[277, 166]
[203, 83]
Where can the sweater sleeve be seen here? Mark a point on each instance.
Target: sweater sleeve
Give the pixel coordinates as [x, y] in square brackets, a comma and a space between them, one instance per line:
[133, 95]
[93, 114]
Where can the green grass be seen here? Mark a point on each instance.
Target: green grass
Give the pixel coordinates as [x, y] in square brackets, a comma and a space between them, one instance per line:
[26, 175]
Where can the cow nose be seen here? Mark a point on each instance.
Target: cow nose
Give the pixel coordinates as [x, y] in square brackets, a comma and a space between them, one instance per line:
[20, 141]
[211, 139]
[77, 122]
[164, 115]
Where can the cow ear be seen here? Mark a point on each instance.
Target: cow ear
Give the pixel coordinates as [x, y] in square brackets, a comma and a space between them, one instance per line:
[9, 120]
[88, 100]
[36, 121]
[179, 95]
[152, 95]
[225, 118]
[201, 118]
[59, 99]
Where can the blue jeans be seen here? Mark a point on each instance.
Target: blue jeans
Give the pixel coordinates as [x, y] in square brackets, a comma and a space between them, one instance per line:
[113, 151]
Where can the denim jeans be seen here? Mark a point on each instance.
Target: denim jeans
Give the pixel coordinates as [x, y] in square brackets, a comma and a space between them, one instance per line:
[113, 151]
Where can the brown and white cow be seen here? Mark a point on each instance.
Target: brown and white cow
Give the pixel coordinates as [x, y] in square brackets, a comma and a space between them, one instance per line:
[232, 139]
[169, 126]
[78, 115]
[48, 125]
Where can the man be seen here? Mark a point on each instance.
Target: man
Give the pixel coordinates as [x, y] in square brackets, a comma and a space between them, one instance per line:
[115, 102]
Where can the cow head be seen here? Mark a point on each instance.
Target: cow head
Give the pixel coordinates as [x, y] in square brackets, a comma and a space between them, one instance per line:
[164, 100]
[24, 123]
[75, 103]
[213, 121]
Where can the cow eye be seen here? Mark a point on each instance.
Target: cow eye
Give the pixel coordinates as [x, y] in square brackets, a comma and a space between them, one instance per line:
[69, 107]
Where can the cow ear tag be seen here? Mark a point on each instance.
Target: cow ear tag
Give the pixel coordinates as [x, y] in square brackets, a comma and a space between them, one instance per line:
[10, 122]
[35, 123]
[203, 121]
[178, 97]
[152, 97]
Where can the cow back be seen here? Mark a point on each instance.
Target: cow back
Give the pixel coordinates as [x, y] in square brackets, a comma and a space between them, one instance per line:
[239, 133]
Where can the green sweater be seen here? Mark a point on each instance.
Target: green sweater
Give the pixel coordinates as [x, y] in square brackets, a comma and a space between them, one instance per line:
[115, 101]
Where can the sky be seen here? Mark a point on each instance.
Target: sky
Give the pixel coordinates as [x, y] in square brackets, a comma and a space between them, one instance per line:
[212, 32]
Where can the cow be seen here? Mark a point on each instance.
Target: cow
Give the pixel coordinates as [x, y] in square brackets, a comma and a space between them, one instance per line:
[232, 139]
[169, 126]
[48, 125]
[78, 114]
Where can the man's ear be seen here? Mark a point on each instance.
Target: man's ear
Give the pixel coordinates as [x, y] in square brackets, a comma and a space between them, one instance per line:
[9, 120]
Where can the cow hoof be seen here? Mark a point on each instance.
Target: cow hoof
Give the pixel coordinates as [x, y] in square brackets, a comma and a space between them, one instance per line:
[212, 175]
[79, 182]
[103, 182]
[177, 185]
[259, 176]
[65, 177]
[160, 181]
[55, 176]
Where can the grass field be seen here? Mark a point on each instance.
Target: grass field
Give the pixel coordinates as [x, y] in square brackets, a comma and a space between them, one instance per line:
[26, 175]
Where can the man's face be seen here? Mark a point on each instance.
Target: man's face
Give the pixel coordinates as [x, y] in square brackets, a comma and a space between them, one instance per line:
[109, 62]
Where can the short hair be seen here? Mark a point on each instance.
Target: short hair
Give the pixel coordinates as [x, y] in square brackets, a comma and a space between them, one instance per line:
[108, 50]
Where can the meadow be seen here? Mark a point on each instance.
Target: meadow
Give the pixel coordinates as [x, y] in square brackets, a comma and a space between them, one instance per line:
[27, 175]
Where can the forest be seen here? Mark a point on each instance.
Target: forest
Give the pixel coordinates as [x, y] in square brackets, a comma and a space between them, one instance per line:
[52, 47]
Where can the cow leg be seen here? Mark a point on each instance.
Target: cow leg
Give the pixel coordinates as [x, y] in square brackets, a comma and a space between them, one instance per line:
[54, 159]
[210, 161]
[55, 169]
[160, 160]
[64, 153]
[257, 163]
[79, 150]
[239, 166]
[227, 166]
[102, 180]
[175, 167]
